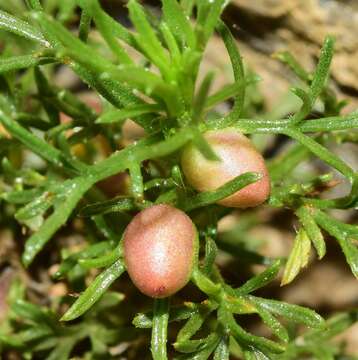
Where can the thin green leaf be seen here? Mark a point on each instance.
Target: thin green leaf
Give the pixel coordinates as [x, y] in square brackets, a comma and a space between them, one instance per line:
[313, 231]
[107, 206]
[28, 120]
[190, 346]
[35, 333]
[178, 23]
[210, 255]
[246, 339]
[298, 258]
[210, 197]
[203, 146]
[262, 279]
[69, 262]
[85, 24]
[22, 28]
[204, 353]
[334, 228]
[288, 59]
[75, 190]
[272, 323]
[105, 229]
[114, 116]
[63, 349]
[47, 92]
[228, 91]
[137, 187]
[187, 6]
[334, 326]
[66, 9]
[102, 261]
[32, 313]
[21, 197]
[205, 284]
[306, 105]
[295, 313]
[143, 321]
[318, 82]
[322, 152]
[22, 62]
[193, 325]
[332, 123]
[159, 183]
[254, 354]
[200, 99]
[117, 93]
[109, 300]
[94, 292]
[118, 30]
[147, 38]
[322, 70]
[238, 304]
[34, 5]
[177, 313]
[105, 27]
[171, 44]
[46, 344]
[238, 69]
[136, 76]
[222, 352]
[32, 142]
[215, 9]
[11, 340]
[35, 207]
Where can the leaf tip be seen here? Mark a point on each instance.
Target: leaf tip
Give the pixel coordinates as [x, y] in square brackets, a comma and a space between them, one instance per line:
[68, 316]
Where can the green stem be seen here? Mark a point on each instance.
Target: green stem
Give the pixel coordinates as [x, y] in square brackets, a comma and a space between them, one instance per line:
[160, 329]
[121, 160]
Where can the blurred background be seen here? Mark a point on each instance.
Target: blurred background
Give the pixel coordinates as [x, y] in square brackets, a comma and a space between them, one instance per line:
[262, 28]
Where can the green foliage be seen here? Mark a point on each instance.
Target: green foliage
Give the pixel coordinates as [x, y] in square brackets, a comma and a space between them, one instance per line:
[159, 92]
[38, 330]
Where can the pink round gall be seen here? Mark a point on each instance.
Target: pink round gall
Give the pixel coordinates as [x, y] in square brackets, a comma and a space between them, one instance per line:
[160, 246]
[238, 156]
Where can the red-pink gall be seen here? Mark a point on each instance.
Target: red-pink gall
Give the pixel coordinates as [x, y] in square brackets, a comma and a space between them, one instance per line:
[238, 156]
[160, 248]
